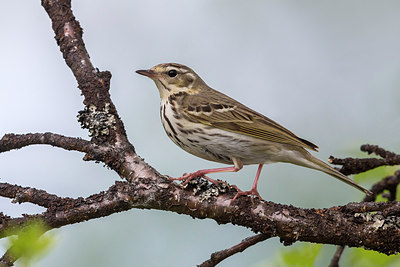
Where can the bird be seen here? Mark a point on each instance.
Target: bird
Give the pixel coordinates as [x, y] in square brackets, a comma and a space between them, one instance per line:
[216, 127]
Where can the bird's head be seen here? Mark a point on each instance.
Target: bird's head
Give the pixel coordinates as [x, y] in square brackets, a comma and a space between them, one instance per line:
[173, 78]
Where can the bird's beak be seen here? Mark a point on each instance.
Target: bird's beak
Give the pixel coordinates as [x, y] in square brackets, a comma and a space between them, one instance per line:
[148, 73]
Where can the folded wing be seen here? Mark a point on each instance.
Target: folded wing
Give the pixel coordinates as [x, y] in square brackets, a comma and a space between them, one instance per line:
[227, 114]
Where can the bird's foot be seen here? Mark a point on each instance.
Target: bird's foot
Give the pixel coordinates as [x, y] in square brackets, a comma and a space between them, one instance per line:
[253, 192]
[189, 176]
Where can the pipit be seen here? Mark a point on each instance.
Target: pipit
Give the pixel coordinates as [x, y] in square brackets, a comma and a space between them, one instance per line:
[213, 126]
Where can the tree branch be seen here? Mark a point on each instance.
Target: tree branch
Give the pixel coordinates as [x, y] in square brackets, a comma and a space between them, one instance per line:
[16, 141]
[94, 85]
[355, 166]
[21, 194]
[371, 225]
[336, 257]
[7, 259]
[389, 183]
[221, 255]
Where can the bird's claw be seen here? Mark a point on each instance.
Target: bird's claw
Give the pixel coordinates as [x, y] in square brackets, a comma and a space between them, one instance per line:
[189, 176]
[253, 193]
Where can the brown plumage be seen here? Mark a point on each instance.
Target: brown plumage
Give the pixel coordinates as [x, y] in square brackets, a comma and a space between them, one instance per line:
[214, 126]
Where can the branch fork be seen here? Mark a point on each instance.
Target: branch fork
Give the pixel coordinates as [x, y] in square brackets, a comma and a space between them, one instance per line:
[367, 224]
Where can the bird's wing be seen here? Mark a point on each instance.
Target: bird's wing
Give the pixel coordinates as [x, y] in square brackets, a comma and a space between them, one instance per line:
[227, 114]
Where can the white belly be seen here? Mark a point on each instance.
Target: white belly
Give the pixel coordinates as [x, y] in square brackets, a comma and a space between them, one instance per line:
[214, 144]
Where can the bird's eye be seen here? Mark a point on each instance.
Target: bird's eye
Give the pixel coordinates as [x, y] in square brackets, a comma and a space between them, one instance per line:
[172, 73]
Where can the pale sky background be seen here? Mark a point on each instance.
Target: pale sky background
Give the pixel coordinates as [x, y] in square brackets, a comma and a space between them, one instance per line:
[327, 70]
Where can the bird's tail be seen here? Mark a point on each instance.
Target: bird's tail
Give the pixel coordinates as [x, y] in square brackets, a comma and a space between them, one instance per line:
[314, 163]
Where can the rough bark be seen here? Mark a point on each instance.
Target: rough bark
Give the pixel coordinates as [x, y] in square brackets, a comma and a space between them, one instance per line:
[368, 224]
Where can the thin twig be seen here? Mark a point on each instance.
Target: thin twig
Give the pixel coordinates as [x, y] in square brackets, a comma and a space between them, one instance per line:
[104, 153]
[355, 165]
[377, 150]
[389, 183]
[7, 259]
[336, 257]
[221, 255]
[16, 141]
[21, 194]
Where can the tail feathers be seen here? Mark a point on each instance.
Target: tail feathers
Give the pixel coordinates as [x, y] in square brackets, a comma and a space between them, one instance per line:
[322, 166]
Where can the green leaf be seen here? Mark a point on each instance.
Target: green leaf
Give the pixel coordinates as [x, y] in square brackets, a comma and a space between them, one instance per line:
[29, 242]
[359, 257]
[376, 174]
[298, 255]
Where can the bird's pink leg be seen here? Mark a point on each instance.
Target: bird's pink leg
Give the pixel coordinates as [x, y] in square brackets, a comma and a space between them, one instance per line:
[202, 173]
[253, 191]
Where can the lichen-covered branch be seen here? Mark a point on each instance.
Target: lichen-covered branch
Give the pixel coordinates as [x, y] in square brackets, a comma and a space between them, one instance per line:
[355, 165]
[371, 225]
[94, 84]
[389, 183]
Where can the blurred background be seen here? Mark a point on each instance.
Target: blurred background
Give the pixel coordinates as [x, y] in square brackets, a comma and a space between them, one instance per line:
[328, 71]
